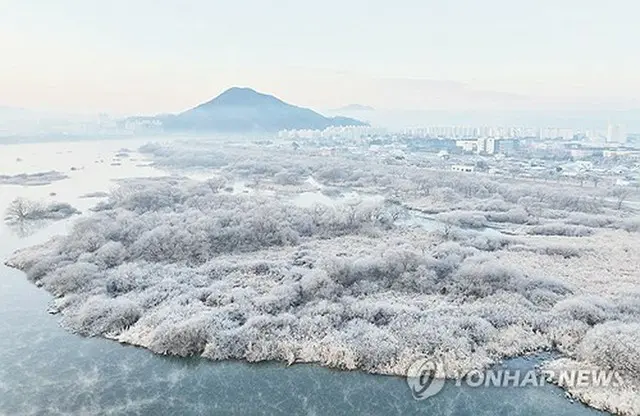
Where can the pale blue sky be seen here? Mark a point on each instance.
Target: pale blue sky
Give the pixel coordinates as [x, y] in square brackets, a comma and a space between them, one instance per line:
[165, 55]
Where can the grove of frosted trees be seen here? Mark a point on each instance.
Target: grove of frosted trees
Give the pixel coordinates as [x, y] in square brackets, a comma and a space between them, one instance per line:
[21, 210]
[468, 271]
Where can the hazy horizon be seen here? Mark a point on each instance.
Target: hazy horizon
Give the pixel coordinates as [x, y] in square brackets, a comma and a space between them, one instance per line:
[153, 57]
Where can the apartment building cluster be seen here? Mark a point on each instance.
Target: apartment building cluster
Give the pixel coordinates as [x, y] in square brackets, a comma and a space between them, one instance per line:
[614, 133]
[489, 145]
[469, 132]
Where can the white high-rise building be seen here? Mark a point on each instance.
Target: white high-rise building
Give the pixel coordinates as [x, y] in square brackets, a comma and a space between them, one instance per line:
[616, 134]
[486, 145]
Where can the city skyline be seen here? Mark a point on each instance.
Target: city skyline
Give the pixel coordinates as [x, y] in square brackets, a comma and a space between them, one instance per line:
[148, 57]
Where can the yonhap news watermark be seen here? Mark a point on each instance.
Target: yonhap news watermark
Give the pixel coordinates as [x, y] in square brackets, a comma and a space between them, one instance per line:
[426, 378]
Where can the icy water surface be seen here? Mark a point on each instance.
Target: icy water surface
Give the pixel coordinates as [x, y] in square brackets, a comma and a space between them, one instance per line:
[46, 370]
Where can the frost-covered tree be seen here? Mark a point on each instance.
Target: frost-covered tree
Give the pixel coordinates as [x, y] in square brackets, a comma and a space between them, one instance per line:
[20, 209]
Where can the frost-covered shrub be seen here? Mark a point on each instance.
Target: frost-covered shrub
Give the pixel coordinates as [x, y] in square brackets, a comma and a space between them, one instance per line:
[281, 298]
[125, 278]
[485, 241]
[160, 244]
[504, 309]
[111, 254]
[628, 305]
[317, 284]
[561, 230]
[388, 268]
[87, 235]
[452, 250]
[445, 195]
[71, 278]
[613, 346]
[180, 338]
[58, 211]
[373, 347]
[589, 220]
[422, 280]
[591, 310]
[516, 215]
[288, 178]
[568, 201]
[544, 291]
[543, 297]
[147, 196]
[445, 267]
[565, 251]
[44, 266]
[494, 206]
[630, 225]
[163, 289]
[347, 271]
[222, 296]
[476, 329]
[479, 277]
[463, 219]
[565, 335]
[216, 183]
[104, 316]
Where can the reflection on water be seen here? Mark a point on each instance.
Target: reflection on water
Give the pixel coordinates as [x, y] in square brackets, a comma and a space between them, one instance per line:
[25, 228]
[45, 370]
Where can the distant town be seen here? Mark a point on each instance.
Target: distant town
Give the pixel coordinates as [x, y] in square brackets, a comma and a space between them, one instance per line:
[588, 157]
[608, 157]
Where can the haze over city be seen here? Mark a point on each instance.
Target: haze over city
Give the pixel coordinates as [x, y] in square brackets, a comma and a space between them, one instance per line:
[148, 57]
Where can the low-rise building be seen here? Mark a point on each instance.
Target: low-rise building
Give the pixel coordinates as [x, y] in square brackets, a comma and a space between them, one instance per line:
[463, 168]
[467, 145]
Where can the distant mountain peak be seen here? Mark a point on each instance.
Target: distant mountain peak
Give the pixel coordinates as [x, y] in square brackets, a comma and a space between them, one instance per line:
[241, 109]
[240, 90]
[242, 97]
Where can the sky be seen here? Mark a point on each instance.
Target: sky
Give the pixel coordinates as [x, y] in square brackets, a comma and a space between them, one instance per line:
[155, 56]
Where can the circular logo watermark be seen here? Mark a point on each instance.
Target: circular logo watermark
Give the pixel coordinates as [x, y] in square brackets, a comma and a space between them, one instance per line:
[425, 378]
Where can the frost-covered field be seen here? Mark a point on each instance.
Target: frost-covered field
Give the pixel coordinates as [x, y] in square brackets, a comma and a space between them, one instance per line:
[188, 267]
